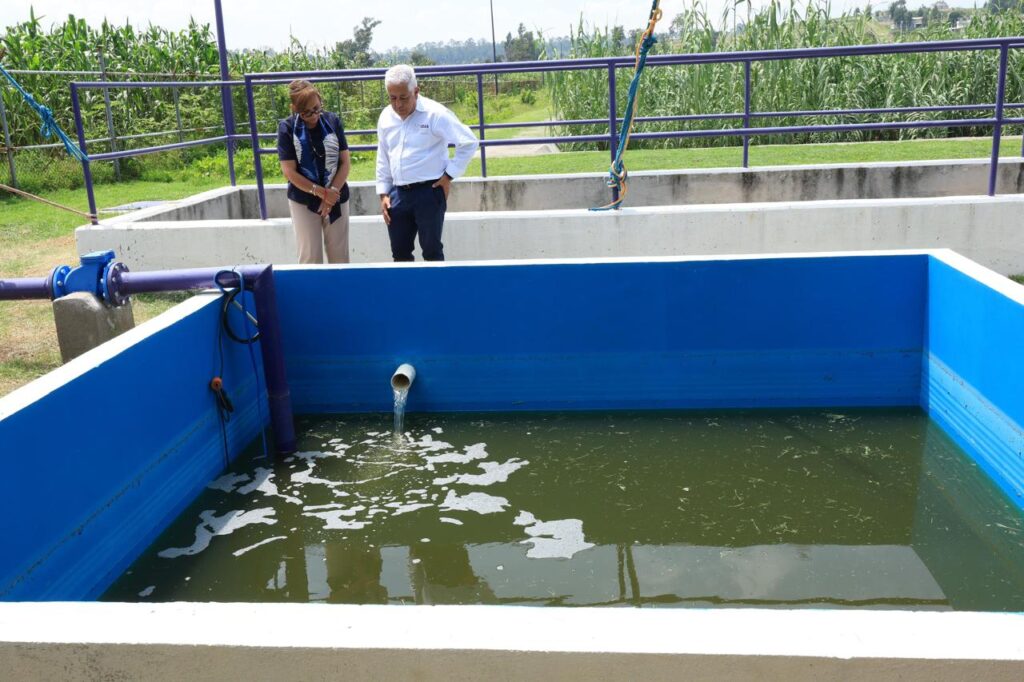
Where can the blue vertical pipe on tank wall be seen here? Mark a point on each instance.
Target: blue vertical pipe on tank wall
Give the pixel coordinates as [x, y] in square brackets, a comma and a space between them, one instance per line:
[997, 129]
[225, 91]
[254, 135]
[271, 346]
[86, 171]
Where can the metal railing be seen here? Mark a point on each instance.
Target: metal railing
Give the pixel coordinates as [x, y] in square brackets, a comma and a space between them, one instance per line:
[997, 120]
[9, 149]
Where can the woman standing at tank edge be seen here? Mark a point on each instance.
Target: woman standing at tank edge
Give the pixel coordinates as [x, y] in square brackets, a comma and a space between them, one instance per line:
[314, 158]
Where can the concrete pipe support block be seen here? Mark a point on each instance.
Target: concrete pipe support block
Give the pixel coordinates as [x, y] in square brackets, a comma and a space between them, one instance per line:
[84, 322]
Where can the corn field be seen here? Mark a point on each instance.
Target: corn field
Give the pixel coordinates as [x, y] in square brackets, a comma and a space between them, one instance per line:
[154, 54]
[881, 81]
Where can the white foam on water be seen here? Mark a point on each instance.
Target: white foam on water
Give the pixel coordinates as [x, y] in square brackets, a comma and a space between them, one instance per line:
[228, 482]
[405, 508]
[335, 519]
[310, 455]
[428, 444]
[493, 473]
[242, 551]
[446, 519]
[525, 518]
[307, 478]
[472, 453]
[213, 525]
[437, 429]
[148, 591]
[317, 507]
[481, 503]
[263, 481]
[556, 539]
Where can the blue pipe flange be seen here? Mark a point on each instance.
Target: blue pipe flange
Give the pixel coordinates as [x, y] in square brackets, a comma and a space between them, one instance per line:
[110, 283]
[56, 280]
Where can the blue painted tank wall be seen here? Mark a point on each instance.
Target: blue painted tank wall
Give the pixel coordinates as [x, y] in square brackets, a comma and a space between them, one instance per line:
[684, 334]
[95, 469]
[973, 373]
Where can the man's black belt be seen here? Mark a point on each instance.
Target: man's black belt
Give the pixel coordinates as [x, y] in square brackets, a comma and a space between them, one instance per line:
[414, 185]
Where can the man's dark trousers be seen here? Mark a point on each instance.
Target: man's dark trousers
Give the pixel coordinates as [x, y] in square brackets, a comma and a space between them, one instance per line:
[417, 209]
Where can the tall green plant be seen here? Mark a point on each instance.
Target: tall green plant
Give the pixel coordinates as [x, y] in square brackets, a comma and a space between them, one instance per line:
[884, 81]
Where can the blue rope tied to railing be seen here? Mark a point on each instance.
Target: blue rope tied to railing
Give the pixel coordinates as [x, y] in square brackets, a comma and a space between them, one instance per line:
[50, 126]
[617, 173]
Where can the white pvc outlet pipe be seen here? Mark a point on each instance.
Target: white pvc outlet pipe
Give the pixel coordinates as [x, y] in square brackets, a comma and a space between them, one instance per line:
[403, 377]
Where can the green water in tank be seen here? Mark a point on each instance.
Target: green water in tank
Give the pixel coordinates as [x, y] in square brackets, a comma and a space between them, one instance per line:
[817, 509]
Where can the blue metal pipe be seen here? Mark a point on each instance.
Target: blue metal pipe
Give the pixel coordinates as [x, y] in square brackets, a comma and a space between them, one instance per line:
[225, 91]
[701, 58]
[997, 130]
[256, 151]
[83, 85]
[24, 289]
[480, 115]
[259, 279]
[106, 156]
[746, 113]
[86, 170]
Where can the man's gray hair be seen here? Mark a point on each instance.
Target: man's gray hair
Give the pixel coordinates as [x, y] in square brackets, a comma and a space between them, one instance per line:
[400, 74]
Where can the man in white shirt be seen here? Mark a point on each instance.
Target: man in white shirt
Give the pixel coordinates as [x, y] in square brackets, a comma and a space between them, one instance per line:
[414, 172]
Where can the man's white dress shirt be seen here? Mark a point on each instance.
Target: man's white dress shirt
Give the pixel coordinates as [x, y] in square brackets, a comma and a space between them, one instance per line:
[416, 149]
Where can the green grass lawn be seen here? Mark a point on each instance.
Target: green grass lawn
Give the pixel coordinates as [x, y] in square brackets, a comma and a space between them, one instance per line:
[34, 238]
[732, 157]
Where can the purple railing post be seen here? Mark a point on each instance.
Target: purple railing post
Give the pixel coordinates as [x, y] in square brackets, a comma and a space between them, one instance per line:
[612, 116]
[480, 118]
[997, 129]
[225, 91]
[746, 113]
[86, 171]
[254, 134]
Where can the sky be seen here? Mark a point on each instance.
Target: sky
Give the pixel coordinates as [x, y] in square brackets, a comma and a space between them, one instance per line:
[404, 23]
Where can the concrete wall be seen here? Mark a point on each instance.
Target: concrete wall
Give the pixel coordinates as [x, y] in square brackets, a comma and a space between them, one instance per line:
[89, 642]
[985, 229]
[649, 188]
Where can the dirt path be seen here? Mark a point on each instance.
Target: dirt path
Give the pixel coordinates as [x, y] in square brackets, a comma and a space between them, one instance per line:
[524, 149]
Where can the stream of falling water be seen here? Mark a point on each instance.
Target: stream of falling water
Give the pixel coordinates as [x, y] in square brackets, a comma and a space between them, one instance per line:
[401, 396]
